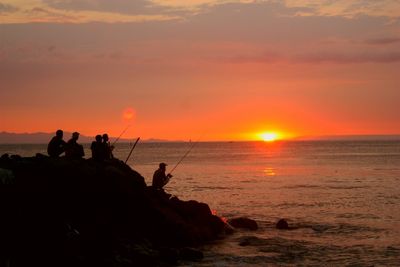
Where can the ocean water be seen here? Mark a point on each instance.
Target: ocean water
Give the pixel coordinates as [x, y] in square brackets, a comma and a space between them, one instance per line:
[342, 197]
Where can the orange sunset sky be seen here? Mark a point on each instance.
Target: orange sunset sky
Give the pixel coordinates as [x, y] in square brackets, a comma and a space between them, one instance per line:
[179, 69]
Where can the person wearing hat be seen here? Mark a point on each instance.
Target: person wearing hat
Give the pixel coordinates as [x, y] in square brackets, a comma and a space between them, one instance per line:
[160, 178]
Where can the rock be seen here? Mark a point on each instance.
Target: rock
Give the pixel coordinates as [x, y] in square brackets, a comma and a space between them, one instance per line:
[228, 229]
[190, 254]
[243, 222]
[78, 211]
[282, 224]
[169, 255]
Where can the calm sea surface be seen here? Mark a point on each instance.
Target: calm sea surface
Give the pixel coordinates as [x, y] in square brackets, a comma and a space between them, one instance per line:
[343, 197]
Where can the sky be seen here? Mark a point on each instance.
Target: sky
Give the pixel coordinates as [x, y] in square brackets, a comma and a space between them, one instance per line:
[217, 70]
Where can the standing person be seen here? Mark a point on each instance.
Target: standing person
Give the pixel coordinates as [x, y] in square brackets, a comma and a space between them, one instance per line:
[159, 177]
[56, 145]
[73, 149]
[97, 149]
[108, 148]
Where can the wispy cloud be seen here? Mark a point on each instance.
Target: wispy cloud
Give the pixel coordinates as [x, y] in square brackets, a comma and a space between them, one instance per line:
[383, 41]
[349, 8]
[136, 7]
[314, 58]
[81, 11]
[355, 58]
[7, 8]
[155, 10]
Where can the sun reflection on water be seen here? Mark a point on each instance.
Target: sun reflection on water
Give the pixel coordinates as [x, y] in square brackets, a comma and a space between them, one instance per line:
[269, 171]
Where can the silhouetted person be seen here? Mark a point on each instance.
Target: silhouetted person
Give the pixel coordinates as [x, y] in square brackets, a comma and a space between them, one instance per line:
[97, 147]
[73, 149]
[159, 177]
[56, 145]
[108, 148]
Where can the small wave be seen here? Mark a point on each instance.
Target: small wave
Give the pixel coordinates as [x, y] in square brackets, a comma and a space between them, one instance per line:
[358, 216]
[344, 229]
[337, 187]
[386, 169]
[249, 181]
[299, 186]
[202, 188]
[283, 251]
[302, 205]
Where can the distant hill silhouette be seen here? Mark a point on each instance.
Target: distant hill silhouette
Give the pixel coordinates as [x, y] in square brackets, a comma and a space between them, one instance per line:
[41, 138]
[350, 138]
[44, 138]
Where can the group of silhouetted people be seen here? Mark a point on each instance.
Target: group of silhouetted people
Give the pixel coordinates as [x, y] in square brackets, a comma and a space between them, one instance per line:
[101, 148]
[72, 149]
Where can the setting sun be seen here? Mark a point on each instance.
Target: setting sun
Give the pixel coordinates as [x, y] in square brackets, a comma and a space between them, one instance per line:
[269, 136]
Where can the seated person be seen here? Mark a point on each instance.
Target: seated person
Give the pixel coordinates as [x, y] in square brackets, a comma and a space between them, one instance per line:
[73, 149]
[159, 177]
[56, 145]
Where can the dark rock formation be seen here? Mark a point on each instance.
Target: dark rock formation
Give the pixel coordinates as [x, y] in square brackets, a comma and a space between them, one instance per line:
[59, 212]
[243, 222]
[191, 254]
[282, 224]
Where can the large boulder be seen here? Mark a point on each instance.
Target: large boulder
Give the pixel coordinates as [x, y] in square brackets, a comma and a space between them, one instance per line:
[282, 224]
[60, 212]
[243, 222]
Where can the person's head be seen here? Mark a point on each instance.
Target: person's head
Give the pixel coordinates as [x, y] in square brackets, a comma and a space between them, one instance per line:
[75, 136]
[98, 138]
[59, 133]
[105, 137]
[163, 165]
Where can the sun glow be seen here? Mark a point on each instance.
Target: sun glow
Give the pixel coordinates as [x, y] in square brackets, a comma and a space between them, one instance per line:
[269, 136]
[129, 114]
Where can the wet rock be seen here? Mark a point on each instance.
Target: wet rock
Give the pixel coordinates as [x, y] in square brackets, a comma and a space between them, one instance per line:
[228, 229]
[282, 224]
[243, 222]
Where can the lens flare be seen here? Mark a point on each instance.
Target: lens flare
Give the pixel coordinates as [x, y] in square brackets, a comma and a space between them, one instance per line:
[129, 114]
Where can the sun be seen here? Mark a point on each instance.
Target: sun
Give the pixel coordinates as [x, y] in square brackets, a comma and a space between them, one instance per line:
[269, 136]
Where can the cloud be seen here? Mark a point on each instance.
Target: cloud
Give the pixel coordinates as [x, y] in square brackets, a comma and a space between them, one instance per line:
[383, 41]
[238, 33]
[355, 58]
[349, 8]
[7, 8]
[314, 58]
[160, 10]
[136, 7]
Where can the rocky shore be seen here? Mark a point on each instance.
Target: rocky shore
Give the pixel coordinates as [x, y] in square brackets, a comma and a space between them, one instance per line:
[59, 212]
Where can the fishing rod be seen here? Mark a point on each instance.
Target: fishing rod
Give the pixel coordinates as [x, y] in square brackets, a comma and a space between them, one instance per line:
[130, 153]
[116, 140]
[184, 156]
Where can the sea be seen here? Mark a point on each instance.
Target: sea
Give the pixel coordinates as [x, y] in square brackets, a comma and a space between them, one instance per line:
[341, 198]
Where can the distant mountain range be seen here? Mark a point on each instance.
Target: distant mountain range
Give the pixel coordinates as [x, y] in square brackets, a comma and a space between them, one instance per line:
[44, 138]
[351, 138]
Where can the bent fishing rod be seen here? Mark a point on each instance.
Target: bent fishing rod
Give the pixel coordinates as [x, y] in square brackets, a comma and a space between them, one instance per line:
[184, 156]
[116, 140]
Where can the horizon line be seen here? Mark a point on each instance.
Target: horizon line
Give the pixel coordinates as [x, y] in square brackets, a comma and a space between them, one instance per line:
[339, 137]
